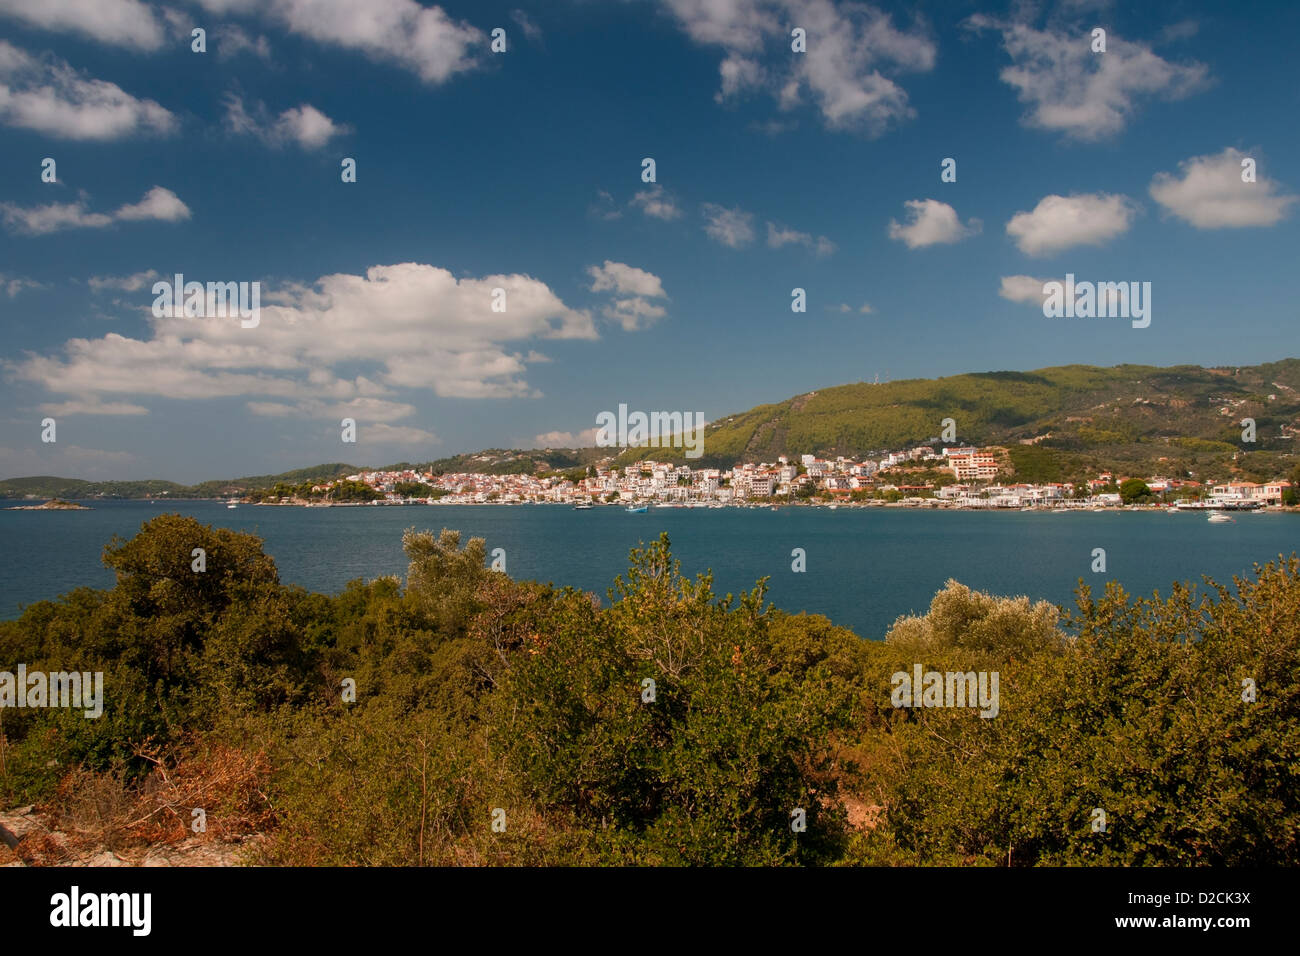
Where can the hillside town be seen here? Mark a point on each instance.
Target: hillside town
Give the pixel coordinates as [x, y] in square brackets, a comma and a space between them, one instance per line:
[925, 476]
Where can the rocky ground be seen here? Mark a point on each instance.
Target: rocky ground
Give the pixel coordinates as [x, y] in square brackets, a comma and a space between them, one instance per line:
[38, 845]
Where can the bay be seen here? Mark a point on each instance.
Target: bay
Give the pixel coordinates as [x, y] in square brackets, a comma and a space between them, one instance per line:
[864, 567]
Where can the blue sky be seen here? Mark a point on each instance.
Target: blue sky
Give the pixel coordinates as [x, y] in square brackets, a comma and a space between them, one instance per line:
[522, 170]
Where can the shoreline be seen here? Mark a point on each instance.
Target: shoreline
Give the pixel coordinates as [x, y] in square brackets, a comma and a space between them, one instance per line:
[927, 505]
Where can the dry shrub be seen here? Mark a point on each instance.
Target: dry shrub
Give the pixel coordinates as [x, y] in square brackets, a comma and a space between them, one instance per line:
[100, 810]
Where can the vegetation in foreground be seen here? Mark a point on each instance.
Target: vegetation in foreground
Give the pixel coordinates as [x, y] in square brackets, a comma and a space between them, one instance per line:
[479, 699]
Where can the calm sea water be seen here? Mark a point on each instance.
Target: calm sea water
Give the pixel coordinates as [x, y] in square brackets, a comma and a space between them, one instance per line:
[864, 567]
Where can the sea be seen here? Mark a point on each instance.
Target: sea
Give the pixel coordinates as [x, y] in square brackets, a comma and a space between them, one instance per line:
[862, 568]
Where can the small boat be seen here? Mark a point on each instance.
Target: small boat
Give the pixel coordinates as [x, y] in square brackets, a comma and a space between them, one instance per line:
[583, 507]
[1218, 517]
[638, 511]
[231, 503]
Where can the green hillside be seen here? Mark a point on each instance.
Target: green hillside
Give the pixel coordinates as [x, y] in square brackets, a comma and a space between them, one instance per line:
[1077, 413]
[1079, 418]
[48, 486]
[500, 461]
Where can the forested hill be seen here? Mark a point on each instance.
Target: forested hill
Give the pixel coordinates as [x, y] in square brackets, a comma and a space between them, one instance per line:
[1110, 413]
[1077, 417]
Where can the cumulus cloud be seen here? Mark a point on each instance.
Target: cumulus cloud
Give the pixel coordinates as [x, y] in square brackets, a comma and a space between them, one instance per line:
[424, 40]
[853, 53]
[581, 439]
[778, 236]
[126, 23]
[405, 326]
[634, 313]
[1208, 192]
[1059, 222]
[633, 288]
[1024, 289]
[1085, 95]
[656, 203]
[623, 278]
[158, 203]
[49, 96]
[930, 222]
[302, 125]
[731, 227]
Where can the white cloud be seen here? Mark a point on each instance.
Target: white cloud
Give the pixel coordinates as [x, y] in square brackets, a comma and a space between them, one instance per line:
[49, 96]
[303, 125]
[404, 326]
[233, 40]
[634, 311]
[582, 439]
[1085, 95]
[1023, 288]
[625, 279]
[424, 40]
[385, 434]
[850, 49]
[130, 283]
[1059, 222]
[158, 203]
[931, 222]
[12, 285]
[38, 220]
[731, 227]
[778, 236]
[739, 73]
[127, 23]
[93, 406]
[1209, 193]
[361, 409]
[656, 203]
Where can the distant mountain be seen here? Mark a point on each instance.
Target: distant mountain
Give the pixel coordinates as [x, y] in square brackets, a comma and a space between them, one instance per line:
[497, 461]
[493, 461]
[46, 486]
[1074, 414]
[1057, 423]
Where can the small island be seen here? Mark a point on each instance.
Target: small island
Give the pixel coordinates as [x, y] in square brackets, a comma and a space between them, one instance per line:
[54, 504]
